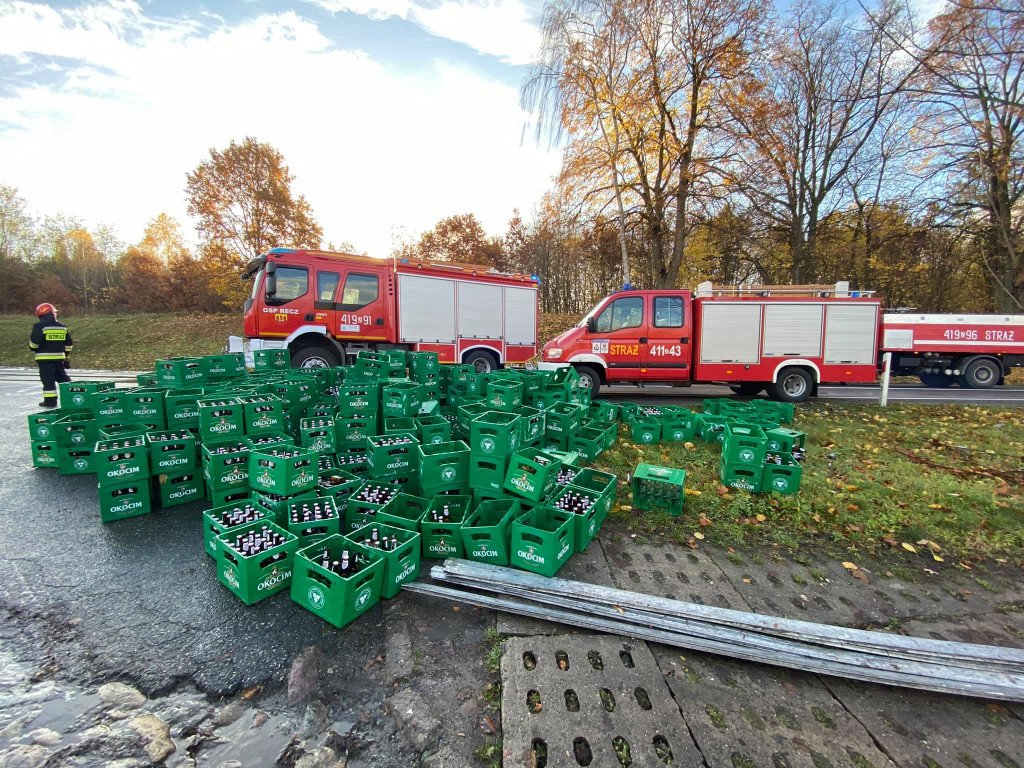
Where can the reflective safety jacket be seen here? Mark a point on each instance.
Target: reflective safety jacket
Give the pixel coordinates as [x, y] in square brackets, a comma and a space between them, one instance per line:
[50, 340]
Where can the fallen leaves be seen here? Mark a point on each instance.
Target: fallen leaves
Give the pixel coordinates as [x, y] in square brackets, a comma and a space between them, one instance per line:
[703, 520]
[909, 547]
[698, 535]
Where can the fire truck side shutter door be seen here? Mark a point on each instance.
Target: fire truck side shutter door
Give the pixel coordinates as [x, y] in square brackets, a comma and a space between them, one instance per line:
[850, 334]
[520, 315]
[730, 332]
[426, 308]
[480, 312]
[792, 330]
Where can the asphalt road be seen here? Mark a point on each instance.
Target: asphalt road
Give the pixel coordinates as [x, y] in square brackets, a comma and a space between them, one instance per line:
[137, 600]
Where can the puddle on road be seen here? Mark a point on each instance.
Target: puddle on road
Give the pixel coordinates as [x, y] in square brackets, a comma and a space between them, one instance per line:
[257, 747]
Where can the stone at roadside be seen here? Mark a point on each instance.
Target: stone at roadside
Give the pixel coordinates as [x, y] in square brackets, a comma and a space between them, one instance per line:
[421, 730]
[155, 735]
[45, 737]
[230, 713]
[323, 757]
[129, 762]
[398, 653]
[304, 675]
[121, 696]
[22, 756]
[314, 720]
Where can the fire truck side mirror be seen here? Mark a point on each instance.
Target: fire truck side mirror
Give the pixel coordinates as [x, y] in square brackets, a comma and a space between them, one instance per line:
[271, 284]
[591, 325]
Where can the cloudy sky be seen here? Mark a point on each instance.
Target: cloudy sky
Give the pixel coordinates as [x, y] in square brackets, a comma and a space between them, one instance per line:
[390, 113]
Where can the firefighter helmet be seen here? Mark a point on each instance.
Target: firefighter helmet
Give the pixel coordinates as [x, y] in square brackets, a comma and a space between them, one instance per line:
[45, 309]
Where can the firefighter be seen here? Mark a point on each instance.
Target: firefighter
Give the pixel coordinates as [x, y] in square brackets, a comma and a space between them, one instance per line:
[51, 342]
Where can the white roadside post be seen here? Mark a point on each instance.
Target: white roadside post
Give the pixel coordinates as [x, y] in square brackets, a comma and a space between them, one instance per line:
[883, 399]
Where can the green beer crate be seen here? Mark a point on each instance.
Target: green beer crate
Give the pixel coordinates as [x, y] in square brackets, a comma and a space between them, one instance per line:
[475, 383]
[602, 485]
[585, 523]
[781, 478]
[455, 374]
[310, 531]
[467, 412]
[774, 409]
[318, 434]
[80, 395]
[645, 431]
[400, 425]
[180, 488]
[352, 430]
[424, 362]
[564, 378]
[119, 502]
[678, 427]
[396, 359]
[41, 425]
[338, 600]
[561, 420]
[494, 433]
[401, 564]
[121, 461]
[782, 440]
[744, 444]
[401, 399]
[532, 422]
[223, 366]
[182, 409]
[487, 473]
[271, 360]
[75, 461]
[146, 406]
[172, 451]
[531, 474]
[504, 394]
[533, 381]
[305, 393]
[743, 477]
[354, 460]
[262, 414]
[541, 540]
[276, 506]
[433, 429]
[339, 484]
[254, 577]
[366, 503]
[222, 496]
[109, 406]
[220, 419]
[444, 467]
[392, 455]
[222, 518]
[404, 511]
[260, 442]
[327, 461]
[588, 442]
[602, 410]
[485, 531]
[180, 372]
[712, 428]
[409, 484]
[321, 411]
[655, 486]
[76, 430]
[565, 474]
[362, 397]
[579, 396]
[226, 465]
[116, 431]
[367, 369]
[545, 397]
[441, 538]
[45, 453]
[284, 471]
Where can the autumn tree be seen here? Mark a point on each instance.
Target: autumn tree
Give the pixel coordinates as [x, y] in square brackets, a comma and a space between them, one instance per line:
[142, 281]
[243, 202]
[458, 238]
[16, 240]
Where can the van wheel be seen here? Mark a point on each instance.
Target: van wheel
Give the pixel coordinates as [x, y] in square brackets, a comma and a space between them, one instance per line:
[314, 357]
[794, 385]
[983, 374]
[481, 360]
[589, 378]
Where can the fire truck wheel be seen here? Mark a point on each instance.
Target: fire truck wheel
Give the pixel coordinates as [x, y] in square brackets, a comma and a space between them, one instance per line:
[794, 385]
[747, 388]
[936, 380]
[589, 378]
[314, 357]
[982, 374]
[482, 360]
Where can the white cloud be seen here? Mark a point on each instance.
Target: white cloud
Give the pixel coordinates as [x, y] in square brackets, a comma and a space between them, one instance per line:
[374, 150]
[501, 28]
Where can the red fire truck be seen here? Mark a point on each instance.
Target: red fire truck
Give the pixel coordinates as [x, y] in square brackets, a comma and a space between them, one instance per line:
[783, 339]
[324, 307]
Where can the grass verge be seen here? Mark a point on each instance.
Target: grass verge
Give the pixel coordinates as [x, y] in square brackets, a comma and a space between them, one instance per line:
[929, 482]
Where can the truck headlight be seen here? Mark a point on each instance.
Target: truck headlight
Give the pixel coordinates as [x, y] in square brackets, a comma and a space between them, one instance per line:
[554, 353]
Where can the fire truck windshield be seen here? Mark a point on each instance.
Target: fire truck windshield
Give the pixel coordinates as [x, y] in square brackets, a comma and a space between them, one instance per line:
[590, 314]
